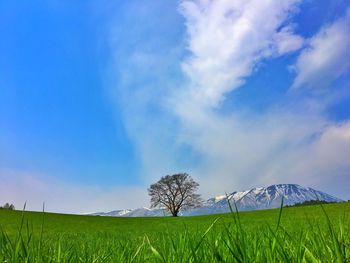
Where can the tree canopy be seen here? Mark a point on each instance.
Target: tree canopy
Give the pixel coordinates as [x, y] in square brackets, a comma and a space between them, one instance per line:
[174, 193]
[8, 206]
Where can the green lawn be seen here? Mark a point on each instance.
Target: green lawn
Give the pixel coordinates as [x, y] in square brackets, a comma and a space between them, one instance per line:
[303, 235]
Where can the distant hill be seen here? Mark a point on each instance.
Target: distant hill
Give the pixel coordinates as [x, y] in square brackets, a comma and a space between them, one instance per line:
[311, 202]
[253, 199]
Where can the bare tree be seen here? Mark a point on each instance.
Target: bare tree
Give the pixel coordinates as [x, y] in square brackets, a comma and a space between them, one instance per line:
[175, 192]
[8, 206]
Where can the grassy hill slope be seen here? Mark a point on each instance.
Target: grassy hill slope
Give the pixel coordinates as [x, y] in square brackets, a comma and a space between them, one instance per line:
[301, 233]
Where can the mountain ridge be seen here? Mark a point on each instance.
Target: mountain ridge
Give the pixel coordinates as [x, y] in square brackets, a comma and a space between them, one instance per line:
[257, 198]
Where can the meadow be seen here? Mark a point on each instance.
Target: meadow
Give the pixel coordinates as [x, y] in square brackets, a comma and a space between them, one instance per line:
[294, 234]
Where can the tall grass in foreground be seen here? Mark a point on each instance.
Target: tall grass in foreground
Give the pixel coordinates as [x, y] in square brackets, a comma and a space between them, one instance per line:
[220, 242]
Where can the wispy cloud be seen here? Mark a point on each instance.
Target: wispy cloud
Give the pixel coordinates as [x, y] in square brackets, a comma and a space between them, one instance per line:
[227, 39]
[180, 119]
[287, 41]
[327, 56]
[169, 79]
[35, 189]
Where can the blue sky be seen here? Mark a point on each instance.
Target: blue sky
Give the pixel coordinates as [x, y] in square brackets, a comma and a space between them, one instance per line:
[98, 99]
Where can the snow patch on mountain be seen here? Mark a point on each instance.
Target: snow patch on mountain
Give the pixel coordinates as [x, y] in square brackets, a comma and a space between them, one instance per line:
[113, 213]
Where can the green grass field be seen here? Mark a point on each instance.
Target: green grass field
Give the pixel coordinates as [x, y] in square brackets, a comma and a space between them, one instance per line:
[298, 234]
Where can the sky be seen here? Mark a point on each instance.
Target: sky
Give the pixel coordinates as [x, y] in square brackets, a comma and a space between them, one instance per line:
[99, 99]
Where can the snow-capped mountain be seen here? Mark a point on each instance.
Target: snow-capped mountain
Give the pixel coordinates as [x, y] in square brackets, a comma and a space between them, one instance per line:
[113, 213]
[144, 211]
[138, 212]
[253, 199]
[262, 198]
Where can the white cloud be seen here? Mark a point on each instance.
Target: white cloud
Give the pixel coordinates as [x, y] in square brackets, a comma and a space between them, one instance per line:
[281, 146]
[287, 41]
[226, 41]
[327, 56]
[228, 38]
[326, 161]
